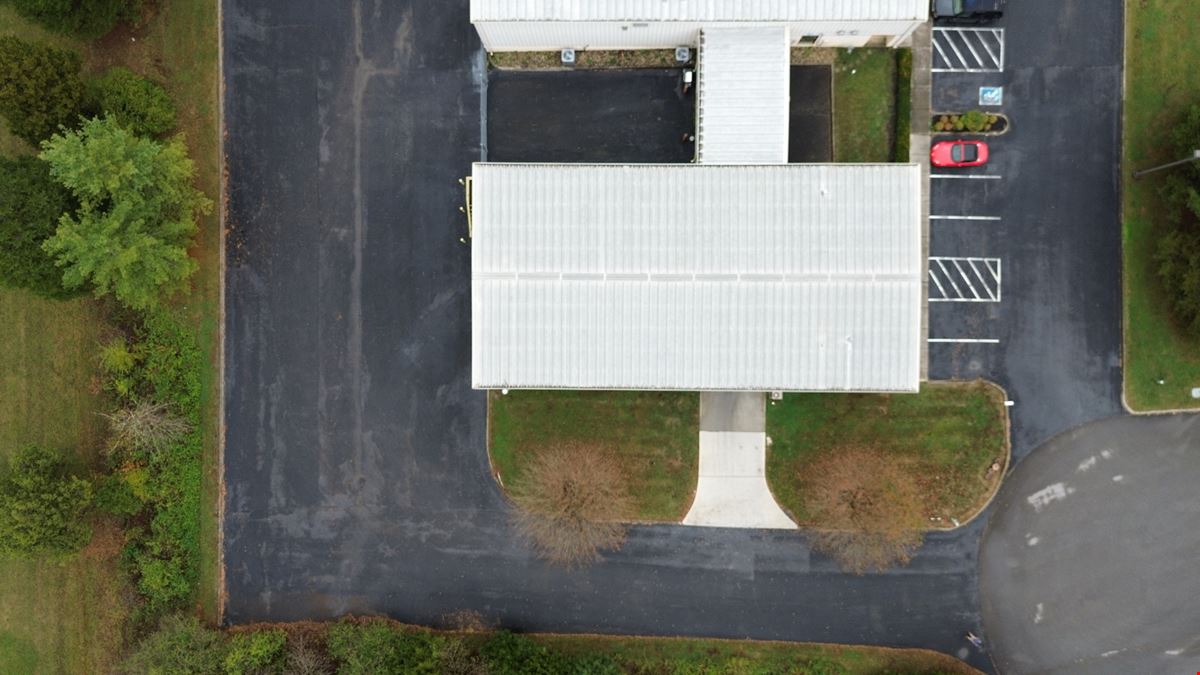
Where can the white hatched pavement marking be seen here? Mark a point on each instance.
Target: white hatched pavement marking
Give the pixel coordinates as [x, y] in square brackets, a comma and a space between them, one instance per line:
[965, 279]
[984, 50]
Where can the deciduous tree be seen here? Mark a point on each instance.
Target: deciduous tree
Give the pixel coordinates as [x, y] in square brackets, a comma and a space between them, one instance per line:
[136, 217]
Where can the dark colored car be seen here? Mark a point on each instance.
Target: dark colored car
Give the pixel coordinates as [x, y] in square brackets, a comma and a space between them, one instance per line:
[967, 11]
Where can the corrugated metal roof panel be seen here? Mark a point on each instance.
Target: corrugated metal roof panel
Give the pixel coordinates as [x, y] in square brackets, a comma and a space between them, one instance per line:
[742, 95]
[698, 10]
[790, 277]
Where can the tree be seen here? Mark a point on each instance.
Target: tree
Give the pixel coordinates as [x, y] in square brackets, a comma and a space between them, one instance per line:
[136, 217]
[872, 504]
[31, 202]
[84, 18]
[570, 501]
[138, 104]
[40, 88]
[42, 505]
[1178, 251]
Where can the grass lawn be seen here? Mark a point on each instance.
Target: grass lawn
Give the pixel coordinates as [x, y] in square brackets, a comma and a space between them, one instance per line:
[56, 616]
[945, 437]
[70, 617]
[655, 436]
[652, 655]
[1161, 83]
[864, 105]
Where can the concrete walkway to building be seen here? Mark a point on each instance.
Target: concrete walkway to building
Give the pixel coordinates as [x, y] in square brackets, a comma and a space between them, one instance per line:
[732, 490]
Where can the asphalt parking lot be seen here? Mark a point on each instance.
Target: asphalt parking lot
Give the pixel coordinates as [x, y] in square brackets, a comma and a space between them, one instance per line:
[1046, 218]
[355, 463]
[810, 130]
[355, 459]
[621, 116]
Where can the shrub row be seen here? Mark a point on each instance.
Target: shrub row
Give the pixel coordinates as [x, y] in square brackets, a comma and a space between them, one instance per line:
[83, 18]
[974, 121]
[380, 647]
[156, 460]
[1178, 249]
[903, 122]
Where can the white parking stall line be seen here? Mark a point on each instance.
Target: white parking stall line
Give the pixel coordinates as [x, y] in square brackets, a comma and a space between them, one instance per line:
[943, 217]
[972, 176]
[964, 279]
[969, 341]
[968, 50]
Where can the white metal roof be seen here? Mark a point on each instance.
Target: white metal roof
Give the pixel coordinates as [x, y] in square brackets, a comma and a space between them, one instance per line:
[742, 95]
[787, 277]
[699, 10]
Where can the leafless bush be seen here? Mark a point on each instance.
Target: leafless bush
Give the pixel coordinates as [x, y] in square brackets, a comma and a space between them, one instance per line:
[146, 427]
[873, 506]
[305, 658]
[570, 500]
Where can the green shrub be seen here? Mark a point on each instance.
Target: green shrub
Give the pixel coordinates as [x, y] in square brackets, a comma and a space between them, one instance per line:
[136, 103]
[376, 647]
[136, 217]
[40, 88]
[256, 653]
[180, 646]
[510, 654]
[116, 358]
[84, 18]
[31, 202]
[115, 496]
[42, 505]
[975, 121]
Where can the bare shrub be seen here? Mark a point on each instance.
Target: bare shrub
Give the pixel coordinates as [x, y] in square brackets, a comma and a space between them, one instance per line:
[570, 500]
[872, 505]
[146, 427]
[305, 658]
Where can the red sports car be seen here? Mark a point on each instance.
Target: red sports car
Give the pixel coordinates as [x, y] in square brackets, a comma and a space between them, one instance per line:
[959, 153]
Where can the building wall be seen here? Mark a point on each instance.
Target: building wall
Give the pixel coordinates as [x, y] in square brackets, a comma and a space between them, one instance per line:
[505, 36]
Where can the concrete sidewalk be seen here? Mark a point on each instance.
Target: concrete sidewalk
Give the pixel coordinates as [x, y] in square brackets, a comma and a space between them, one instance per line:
[732, 490]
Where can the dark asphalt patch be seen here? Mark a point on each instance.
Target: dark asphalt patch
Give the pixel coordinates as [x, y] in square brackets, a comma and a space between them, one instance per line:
[810, 131]
[611, 116]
